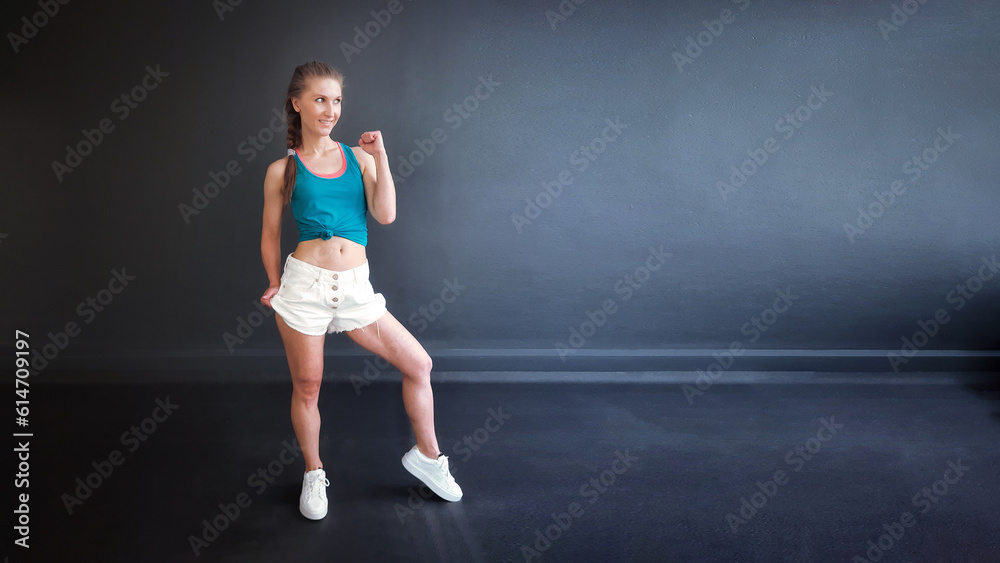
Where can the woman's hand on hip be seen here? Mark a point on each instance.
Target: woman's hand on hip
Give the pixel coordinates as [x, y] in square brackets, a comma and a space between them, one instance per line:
[266, 298]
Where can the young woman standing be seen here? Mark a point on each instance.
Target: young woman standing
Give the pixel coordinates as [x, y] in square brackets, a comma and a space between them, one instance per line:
[325, 285]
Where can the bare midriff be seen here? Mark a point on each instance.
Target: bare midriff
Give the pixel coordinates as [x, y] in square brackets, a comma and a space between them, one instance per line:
[338, 253]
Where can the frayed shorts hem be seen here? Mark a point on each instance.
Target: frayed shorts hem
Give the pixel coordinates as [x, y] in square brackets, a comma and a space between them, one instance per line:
[375, 322]
[329, 330]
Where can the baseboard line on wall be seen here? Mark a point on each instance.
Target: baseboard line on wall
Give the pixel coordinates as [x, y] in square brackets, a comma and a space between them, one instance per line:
[639, 363]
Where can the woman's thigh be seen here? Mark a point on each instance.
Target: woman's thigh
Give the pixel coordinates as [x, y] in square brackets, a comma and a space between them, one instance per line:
[393, 342]
[304, 352]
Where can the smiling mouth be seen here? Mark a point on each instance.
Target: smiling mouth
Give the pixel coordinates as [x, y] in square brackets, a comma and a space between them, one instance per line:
[330, 122]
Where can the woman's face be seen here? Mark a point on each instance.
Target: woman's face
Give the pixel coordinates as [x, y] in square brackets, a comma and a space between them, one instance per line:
[319, 106]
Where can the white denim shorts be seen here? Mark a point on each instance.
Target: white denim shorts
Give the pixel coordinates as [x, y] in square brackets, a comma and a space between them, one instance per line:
[314, 300]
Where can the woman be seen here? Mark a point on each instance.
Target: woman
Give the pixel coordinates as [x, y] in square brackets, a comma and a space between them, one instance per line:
[325, 286]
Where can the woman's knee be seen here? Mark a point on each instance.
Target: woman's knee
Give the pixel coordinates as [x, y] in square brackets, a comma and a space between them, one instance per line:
[306, 388]
[421, 368]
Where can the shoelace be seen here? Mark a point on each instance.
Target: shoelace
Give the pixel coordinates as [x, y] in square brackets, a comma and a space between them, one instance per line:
[314, 485]
[442, 463]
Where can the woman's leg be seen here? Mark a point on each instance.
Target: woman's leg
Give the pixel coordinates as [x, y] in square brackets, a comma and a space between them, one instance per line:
[305, 361]
[395, 344]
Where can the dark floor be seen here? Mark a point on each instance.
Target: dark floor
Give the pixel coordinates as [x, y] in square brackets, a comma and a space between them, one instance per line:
[689, 468]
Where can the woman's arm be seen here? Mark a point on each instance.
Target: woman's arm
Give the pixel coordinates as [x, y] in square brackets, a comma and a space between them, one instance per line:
[270, 234]
[380, 191]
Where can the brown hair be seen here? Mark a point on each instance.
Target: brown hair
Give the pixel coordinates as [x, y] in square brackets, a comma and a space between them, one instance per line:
[294, 121]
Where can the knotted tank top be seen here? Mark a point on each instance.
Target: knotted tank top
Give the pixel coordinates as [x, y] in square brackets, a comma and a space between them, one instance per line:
[331, 205]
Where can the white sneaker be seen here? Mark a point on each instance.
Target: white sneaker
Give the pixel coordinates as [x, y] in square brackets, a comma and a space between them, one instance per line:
[312, 501]
[434, 473]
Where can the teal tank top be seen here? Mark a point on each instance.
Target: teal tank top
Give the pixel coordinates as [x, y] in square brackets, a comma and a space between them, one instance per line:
[325, 206]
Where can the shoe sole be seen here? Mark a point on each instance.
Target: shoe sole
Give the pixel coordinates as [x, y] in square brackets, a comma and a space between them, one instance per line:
[312, 515]
[420, 474]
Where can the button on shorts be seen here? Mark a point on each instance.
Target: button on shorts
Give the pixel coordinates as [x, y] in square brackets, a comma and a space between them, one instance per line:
[314, 300]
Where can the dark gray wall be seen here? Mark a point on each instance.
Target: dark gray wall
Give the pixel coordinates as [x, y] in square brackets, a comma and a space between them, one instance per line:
[655, 185]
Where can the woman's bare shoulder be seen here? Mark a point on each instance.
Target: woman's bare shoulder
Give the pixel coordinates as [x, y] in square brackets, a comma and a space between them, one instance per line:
[362, 157]
[274, 179]
[277, 167]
